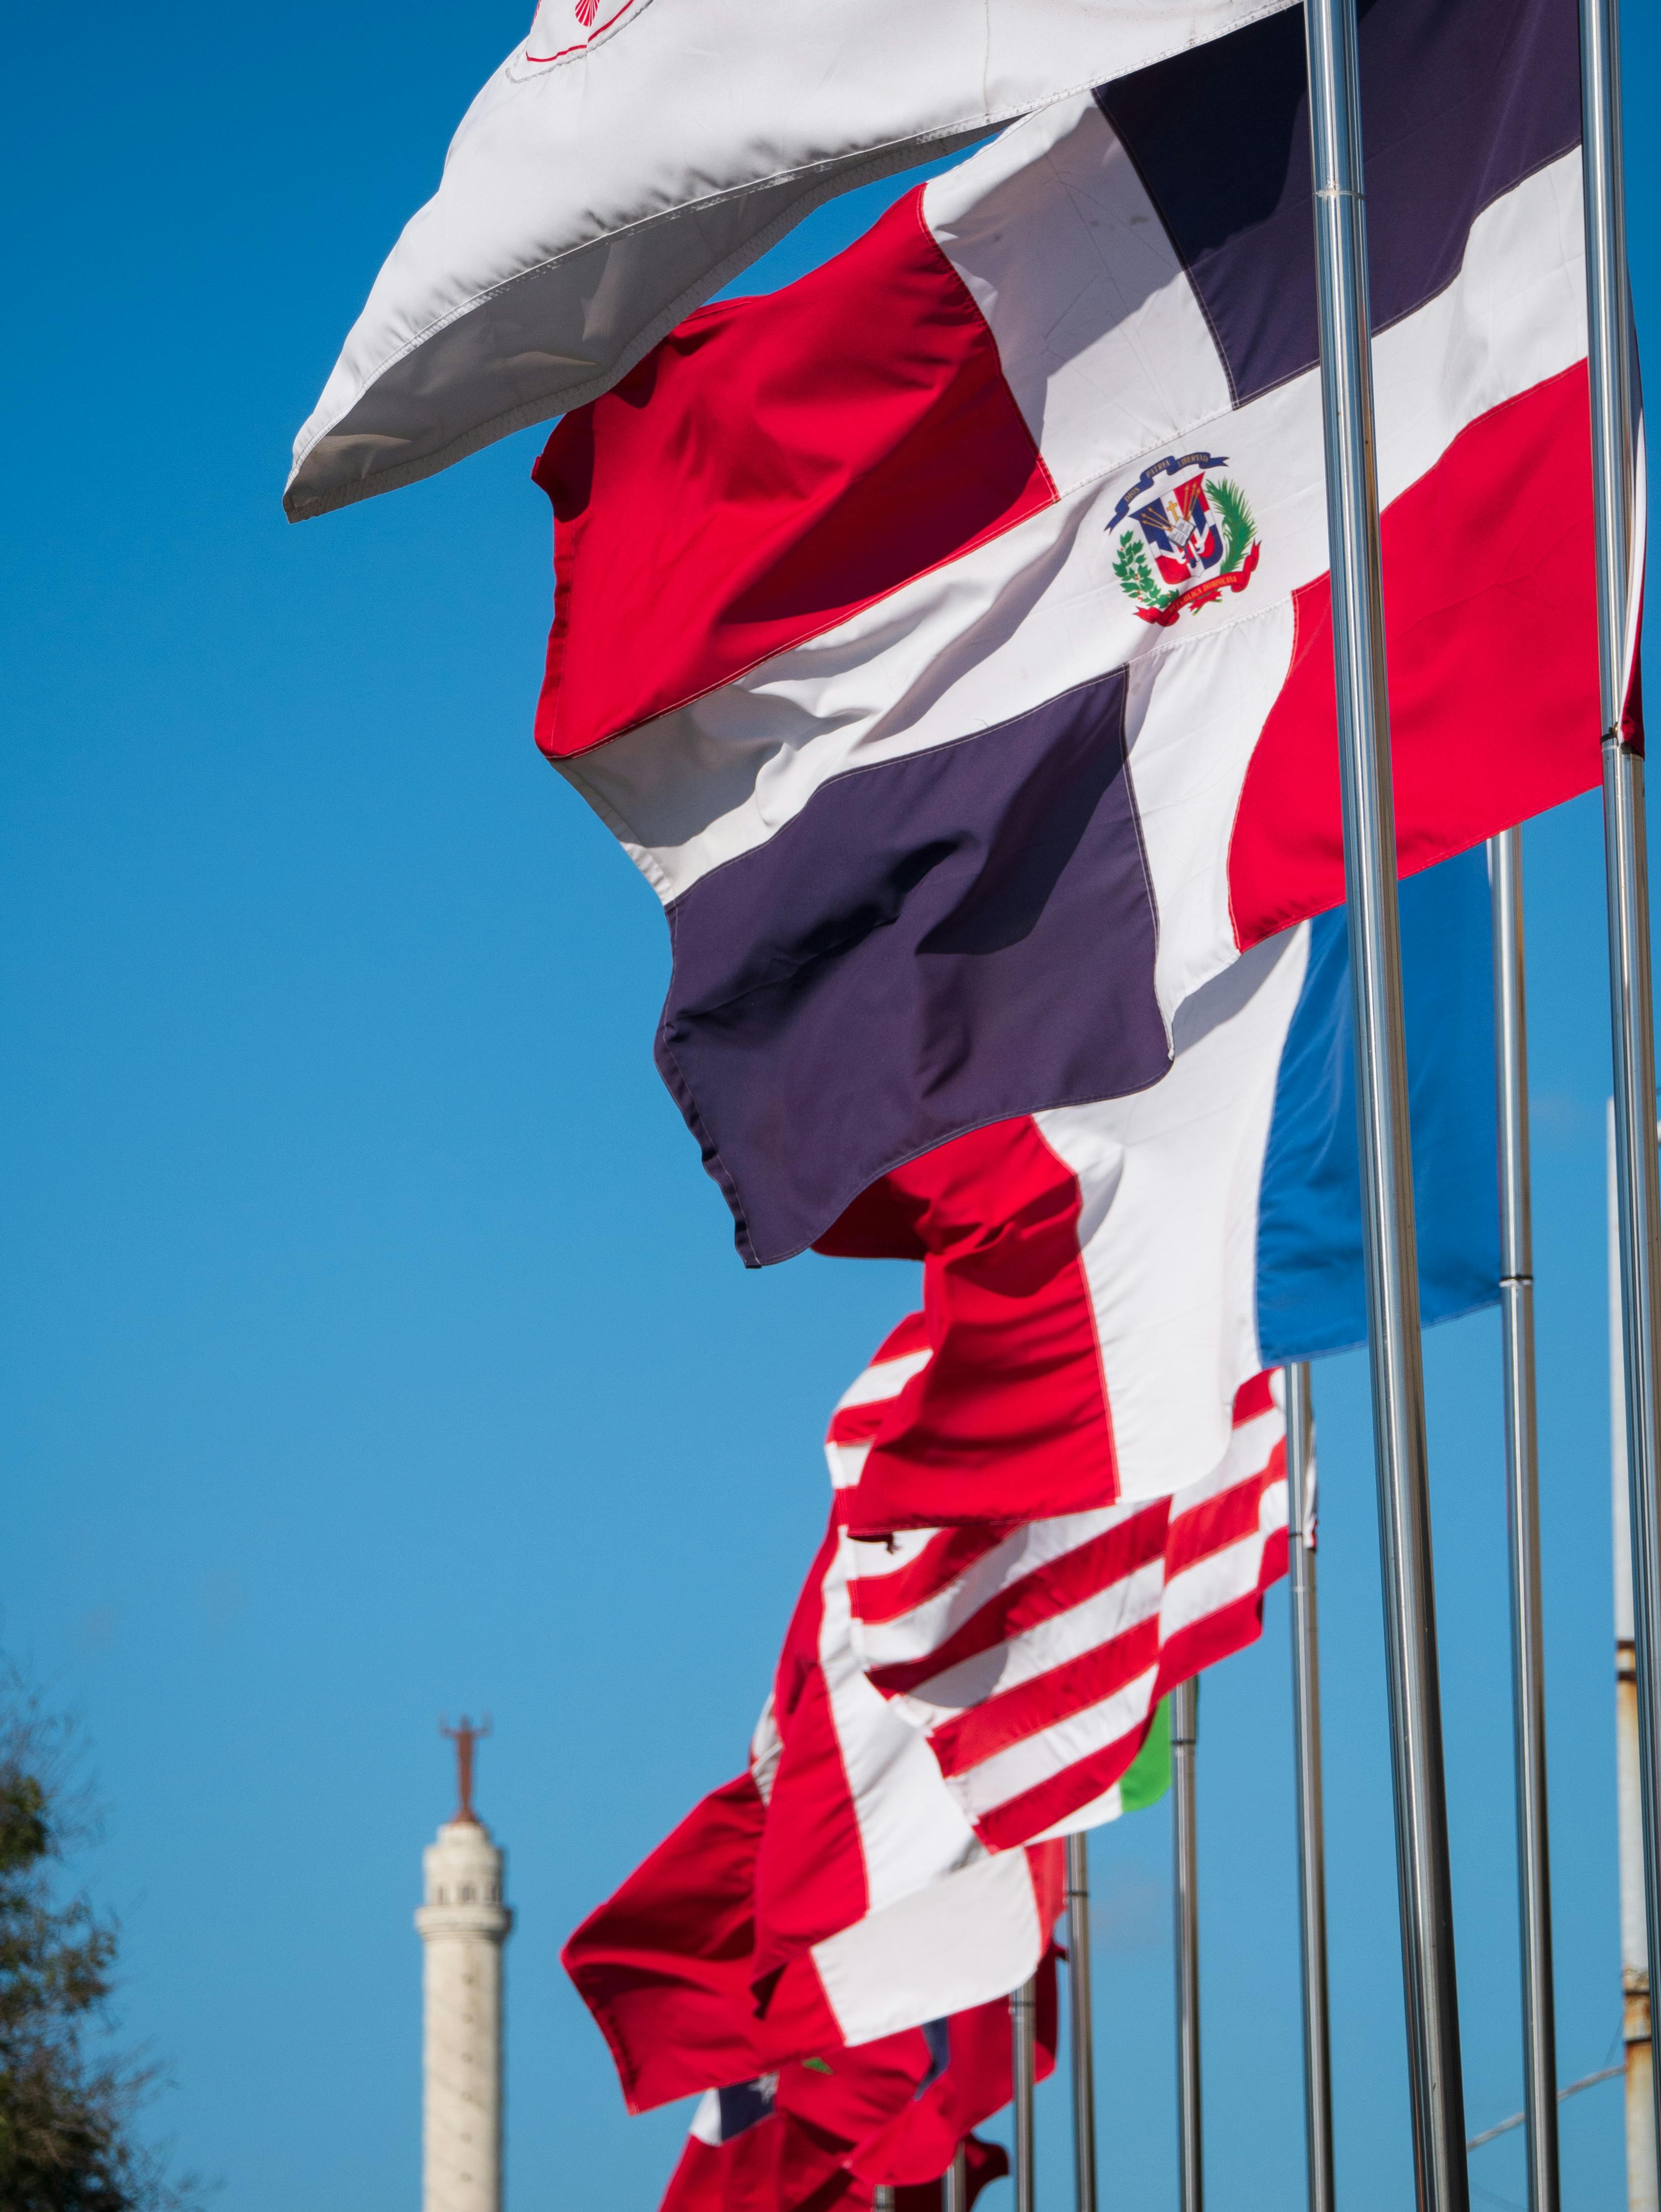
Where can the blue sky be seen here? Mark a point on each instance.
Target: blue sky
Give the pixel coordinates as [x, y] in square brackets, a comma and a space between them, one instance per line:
[374, 1348]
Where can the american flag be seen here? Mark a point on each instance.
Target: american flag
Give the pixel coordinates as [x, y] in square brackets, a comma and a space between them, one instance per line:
[1032, 1656]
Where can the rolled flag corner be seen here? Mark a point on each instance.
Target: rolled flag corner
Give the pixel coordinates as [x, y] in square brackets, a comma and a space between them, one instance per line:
[627, 159]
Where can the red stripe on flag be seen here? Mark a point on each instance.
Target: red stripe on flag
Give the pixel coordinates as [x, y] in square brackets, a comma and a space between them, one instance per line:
[1489, 588]
[1039, 1807]
[1254, 1397]
[1010, 1716]
[1050, 1590]
[1228, 1629]
[825, 445]
[878, 1598]
[1228, 1518]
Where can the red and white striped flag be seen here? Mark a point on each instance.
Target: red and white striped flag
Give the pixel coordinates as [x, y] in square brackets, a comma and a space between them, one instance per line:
[1032, 1657]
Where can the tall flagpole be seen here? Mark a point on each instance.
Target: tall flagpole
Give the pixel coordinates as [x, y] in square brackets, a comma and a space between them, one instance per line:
[1641, 2191]
[1024, 2053]
[1627, 881]
[1190, 2145]
[1528, 1658]
[957, 2181]
[1079, 2024]
[1312, 1832]
[1398, 1409]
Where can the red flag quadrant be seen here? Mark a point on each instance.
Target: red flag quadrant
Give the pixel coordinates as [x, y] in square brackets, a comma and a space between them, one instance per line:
[1030, 1659]
[971, 704]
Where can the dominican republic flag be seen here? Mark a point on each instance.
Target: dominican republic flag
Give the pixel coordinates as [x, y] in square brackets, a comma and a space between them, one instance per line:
[1033, 1660]
[946, 638]
[748, 2151]
[1100, 1282]
[626, 161]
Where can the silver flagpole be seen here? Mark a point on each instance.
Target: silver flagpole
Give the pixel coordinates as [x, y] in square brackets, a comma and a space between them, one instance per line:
[1641, 2192]
[1398, 1407]
[1528, 1658]
[1079, 2024]
[882, 2198]
[1627, 881]
[957, 2181]
[1185, 1853]
[1311, 1829]
[1023, 2027]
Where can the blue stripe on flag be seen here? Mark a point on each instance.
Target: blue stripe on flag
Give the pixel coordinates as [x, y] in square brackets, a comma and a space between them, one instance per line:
[1310, 1290]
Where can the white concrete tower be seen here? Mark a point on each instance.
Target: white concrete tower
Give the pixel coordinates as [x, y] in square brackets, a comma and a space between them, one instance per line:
[463, 1925]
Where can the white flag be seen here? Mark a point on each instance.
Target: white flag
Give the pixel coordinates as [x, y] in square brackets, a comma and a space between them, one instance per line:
[629, 160]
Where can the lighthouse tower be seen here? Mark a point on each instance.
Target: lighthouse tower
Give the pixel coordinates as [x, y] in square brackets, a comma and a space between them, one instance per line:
[463, 1925]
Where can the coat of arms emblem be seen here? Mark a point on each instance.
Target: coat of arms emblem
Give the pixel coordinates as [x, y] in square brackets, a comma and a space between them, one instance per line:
[1194, 538]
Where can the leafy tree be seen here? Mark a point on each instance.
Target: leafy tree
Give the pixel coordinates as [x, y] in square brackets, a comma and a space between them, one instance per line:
[67, 2106]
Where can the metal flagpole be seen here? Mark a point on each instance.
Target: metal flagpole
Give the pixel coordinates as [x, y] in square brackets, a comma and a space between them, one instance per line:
[1528, 1658]
[1190, 2148]
[1312, 1832]
[1398, 1412]
[1627, 881]
[1078, 2023]
[957, 2181]
[1023, 2025]
[882, 2198]
[1641, 2191]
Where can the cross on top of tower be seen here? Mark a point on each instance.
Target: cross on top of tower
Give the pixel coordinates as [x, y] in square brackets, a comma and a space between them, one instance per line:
[464, 1738]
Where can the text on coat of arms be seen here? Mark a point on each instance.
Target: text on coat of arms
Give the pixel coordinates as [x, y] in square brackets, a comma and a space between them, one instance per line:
[1193, 540]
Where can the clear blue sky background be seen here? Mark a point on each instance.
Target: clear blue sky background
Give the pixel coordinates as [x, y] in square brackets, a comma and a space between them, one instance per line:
[373, 1346]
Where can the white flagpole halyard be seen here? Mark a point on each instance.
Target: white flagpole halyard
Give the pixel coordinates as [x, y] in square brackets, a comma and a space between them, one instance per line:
[1642, 2195]
[1024, 2052]
[1312, 1826]
[1399, 1410]
[1626, 890]
[1079, 2024]
[1528, 1660]
[1184, 1829]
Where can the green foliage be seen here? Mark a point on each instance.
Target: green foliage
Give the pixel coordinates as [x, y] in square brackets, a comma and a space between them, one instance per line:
[66, 2106]
[1239, 524]
[1130, 565]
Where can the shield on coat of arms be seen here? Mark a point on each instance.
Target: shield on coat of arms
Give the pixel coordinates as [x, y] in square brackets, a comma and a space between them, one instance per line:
[1200, 536]
[1182, 533]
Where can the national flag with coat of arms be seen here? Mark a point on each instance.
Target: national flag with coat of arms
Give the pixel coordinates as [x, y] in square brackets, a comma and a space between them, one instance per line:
[970, 706]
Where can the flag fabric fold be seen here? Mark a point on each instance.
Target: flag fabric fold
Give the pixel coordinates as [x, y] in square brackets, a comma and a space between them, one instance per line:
[626, 161]
[973, 697]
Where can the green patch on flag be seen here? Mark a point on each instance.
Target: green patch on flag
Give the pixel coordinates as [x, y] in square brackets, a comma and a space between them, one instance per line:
[1148, 1777]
